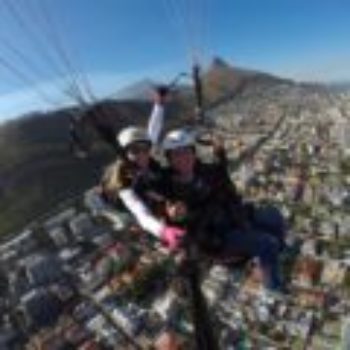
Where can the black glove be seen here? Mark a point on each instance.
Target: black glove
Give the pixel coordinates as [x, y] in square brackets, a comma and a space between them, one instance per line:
[162, 90]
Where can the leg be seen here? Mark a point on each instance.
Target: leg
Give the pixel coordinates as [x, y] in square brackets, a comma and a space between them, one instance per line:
[254, 243]
[270, 219]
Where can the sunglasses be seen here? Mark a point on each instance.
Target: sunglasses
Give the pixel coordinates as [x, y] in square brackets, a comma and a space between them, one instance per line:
[139, 148]
[182, 151]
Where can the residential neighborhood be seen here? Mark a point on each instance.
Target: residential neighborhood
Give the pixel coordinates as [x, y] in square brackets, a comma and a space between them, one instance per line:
[79, 279]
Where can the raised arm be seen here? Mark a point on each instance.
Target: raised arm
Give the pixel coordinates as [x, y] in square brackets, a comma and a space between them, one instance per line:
[155, 123]
[156, 119]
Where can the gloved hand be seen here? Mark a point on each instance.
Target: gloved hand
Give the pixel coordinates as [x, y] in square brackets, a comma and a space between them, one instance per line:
[171, 236]
[161, 93]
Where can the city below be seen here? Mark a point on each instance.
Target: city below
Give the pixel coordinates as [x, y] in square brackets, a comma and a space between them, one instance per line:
[79, 279]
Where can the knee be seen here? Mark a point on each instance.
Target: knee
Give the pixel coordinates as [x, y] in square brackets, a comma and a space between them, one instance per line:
[274, 214]
[273, 218]
[269, 247]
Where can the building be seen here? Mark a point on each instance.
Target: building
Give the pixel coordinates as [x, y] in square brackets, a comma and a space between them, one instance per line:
[42, 269]
[83, 228]
[67, 334]
[93, 202]
[9, 337]
[40, 308]
[59, 236]
[21, 243]
[60, 218]
[340, 133]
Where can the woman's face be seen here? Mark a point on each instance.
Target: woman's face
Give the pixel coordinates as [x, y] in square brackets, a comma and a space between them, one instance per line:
[182, 160]
[176, 210]
[139, 153]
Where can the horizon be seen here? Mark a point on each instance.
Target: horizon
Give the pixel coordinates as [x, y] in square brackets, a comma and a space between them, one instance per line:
[293, 40]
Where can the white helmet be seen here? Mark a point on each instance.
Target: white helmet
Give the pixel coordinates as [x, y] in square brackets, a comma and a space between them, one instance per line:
[177, 139]
[132, 134]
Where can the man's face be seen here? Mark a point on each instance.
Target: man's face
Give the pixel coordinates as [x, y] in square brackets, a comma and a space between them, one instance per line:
[182, 160]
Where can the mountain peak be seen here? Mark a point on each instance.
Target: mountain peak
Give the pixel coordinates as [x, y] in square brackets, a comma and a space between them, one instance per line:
[219, 63]
[140, 90]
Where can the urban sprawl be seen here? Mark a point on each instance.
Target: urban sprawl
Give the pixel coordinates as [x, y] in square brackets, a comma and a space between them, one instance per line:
[79, 279]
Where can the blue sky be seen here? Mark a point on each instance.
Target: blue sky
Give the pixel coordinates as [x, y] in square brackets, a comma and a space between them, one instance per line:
[116, 42]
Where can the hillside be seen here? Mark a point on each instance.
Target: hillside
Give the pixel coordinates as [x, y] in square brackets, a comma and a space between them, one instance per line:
[37, 169]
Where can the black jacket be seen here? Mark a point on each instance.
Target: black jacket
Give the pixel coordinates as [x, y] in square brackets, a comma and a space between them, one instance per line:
[212, 202]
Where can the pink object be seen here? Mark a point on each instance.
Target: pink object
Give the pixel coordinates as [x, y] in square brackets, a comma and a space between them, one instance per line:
[171, 236]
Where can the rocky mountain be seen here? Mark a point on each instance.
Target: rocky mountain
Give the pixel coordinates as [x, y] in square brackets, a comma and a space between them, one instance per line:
[139, 91]
[222, 81]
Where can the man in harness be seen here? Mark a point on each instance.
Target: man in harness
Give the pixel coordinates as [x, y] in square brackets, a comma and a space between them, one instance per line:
[204, 195]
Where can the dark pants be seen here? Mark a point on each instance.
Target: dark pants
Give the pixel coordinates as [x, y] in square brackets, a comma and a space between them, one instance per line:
[270, 220]
[256, 243]
[262, 238]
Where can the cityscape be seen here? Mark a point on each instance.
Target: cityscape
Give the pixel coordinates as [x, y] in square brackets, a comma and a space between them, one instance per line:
[79, 279]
